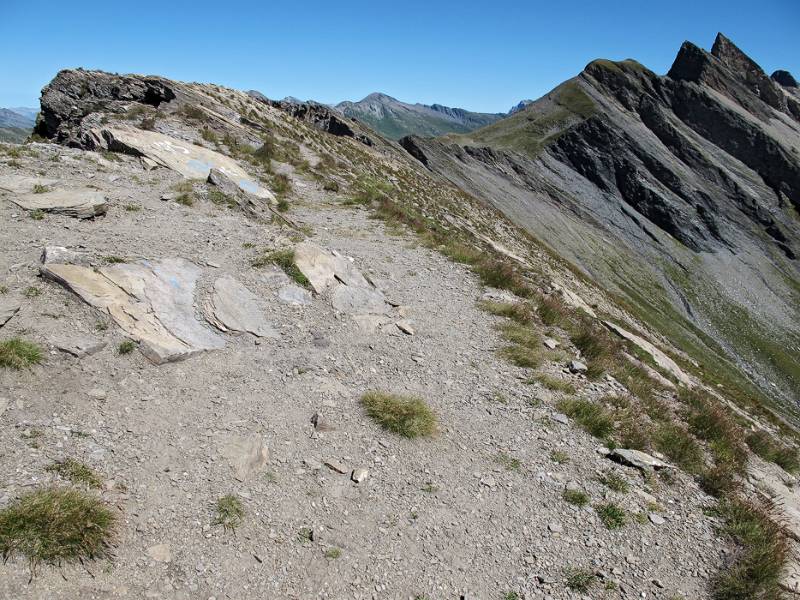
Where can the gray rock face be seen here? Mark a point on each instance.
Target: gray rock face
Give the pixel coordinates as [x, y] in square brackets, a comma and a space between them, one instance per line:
[687, 184]
[235, 308]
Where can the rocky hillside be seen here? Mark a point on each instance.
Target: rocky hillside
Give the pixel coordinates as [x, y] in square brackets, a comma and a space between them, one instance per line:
[16, 124]
[679, 193]
[251, 349]
[394, 119]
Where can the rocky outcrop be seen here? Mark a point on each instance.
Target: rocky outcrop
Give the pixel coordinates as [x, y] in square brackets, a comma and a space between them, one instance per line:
[74, 95]
[784, 78]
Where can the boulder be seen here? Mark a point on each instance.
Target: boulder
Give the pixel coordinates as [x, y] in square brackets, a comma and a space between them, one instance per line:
[64, 256]
[235, 308]
[577, 366]
[83, 203]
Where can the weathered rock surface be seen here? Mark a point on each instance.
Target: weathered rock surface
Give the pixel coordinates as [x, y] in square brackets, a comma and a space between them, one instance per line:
[152, 301]
[247, 455]
[78, 345]
[8, 308]
[235, 308]
[83, 203]
[637, 458]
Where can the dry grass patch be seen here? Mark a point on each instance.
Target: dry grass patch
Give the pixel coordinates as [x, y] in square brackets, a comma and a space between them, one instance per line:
[765, 446]
[406, 416]
[611, 515]
[554, 383]
[56, 525]
[679, 446]
[17, 353]
[516, 311]
[76, 472]
[592, 417]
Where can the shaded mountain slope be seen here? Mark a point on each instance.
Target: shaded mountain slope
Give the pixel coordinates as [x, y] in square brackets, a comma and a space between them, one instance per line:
[680, 192]
[394, 119]
[16, 124]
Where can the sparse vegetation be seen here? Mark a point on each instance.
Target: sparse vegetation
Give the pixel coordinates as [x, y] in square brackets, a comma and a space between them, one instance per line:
[553, 383]
[32, 292]
[611, 515]
[576, 497]
[765, 446]
[306, 534]
[17, 353]
[76, 472]
[406, 416]
[333, 553]
[37, 214]
[133, 207]
[579, 580]
[229, 512]
[679, 446]
[126, 347]
[614, 482]
[56, 525]
[285, 260]
[763, 550]
[509, 462]
[516, 311]
[592, 417]
[559, 457]
[221, 198]
[40, 189]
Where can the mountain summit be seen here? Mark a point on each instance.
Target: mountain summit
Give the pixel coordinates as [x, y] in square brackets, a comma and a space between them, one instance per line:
[394, 119]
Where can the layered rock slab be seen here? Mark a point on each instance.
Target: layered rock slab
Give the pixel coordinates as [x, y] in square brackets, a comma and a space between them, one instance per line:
[152, 301]
[235, 308]
[80, 202]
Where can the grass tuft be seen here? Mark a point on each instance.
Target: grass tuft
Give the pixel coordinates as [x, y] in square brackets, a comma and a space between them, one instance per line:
[76, 472]
[765, 446]
[554, 383]
[126, 347]
[576, 497]
[592, 417]
[285, 260]
[229, 512]
[611, 515]
[614, 482]
[56, 525]
[679, 446]
[18, 354]
[405, 416]
[580, 580]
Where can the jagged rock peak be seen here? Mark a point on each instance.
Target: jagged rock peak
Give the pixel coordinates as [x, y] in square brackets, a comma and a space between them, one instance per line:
[730, 54]
[784, 78]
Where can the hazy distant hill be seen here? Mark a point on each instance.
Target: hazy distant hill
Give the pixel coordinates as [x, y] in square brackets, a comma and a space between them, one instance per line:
[16, 124]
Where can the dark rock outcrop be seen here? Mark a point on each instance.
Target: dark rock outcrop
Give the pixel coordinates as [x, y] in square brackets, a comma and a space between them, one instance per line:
[72, 102]
[784, 78]
[686, 185]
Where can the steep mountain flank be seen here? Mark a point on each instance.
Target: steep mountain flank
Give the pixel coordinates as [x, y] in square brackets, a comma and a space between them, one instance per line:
[680, 192]
[16, 124]
[394, 119]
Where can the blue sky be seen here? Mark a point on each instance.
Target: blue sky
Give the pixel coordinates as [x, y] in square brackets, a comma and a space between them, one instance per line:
[482, 56]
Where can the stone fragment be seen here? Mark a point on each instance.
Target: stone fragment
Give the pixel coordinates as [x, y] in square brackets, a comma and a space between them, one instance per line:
[405, 326]
[560, 418]
[577, 366]
[358, 300]
[294, 295]
[359, 474]
[555, 527]
[551, 343]
[335, 465]
[656, 519]
[637, 458]
[235, 308]
[79, 346]
[8, 308]
[83, 203]
[246, 455]
[64, 256]
[160, 552]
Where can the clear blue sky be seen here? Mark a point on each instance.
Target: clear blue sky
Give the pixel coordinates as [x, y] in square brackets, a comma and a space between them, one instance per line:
[478, 55]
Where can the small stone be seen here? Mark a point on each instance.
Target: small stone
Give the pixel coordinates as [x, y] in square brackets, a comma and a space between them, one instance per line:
[312, 464]
[359, 474]
[560, 418]
[577, 366]
[555, 527]
[488, 481]
[97, 394]
[551, 343]
[334, 465]
[160, 552]
[656, 519]
[405, 327]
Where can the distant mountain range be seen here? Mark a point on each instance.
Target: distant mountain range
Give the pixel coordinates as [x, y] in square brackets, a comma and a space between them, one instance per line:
[394, 119]
[16, 123]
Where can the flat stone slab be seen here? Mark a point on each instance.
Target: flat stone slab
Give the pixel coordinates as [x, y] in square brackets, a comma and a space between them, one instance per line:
[78, 346]
[637, 458]
[8, 308]
[660, 358]
[190, 160]
[324, 268]
[235, 308]
[83, 203]
[358, 300]
[22, 184]
[246, 455]
[294, 295]
[152, 301]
